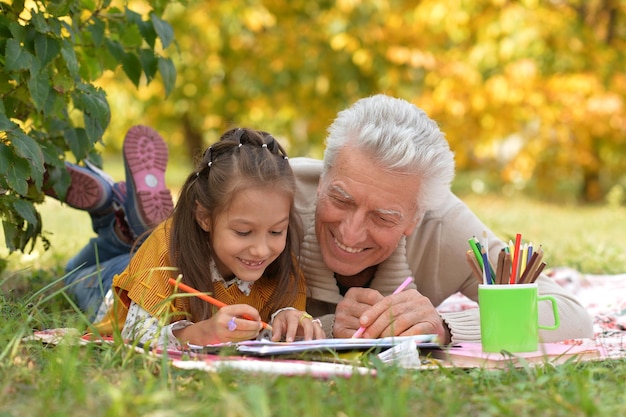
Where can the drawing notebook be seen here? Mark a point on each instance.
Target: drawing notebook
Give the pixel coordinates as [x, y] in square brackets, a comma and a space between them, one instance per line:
[268, 348]
[471, 355]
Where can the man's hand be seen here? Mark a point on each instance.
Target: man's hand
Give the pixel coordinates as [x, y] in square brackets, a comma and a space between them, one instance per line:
[404, 314]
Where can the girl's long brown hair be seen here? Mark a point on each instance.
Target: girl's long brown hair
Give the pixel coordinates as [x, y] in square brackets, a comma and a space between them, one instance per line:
[241, 159]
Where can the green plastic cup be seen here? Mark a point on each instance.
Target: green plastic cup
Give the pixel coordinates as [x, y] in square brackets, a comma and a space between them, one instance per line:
[509, 317]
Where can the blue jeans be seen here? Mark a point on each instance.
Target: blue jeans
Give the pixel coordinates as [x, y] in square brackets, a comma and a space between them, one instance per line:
[89, 274]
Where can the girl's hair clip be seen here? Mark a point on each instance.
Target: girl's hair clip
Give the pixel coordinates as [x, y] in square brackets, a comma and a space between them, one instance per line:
[240, 145]
[264, 145]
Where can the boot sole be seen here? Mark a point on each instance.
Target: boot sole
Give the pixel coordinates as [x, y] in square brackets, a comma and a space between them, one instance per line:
[145, 161]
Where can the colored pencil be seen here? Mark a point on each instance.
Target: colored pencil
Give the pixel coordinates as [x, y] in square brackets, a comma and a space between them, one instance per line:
[402, 286]
[473, 242]
[214, 301]
[500, 267]
[506, 269]
[477, 249]
[529, 269]
[473, 263]
[525, 259]
[516, 260]
[489, 272]
[537, 272]
[486, 271]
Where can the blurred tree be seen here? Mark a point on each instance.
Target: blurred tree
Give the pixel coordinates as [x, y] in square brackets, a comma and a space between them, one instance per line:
[51, 54]
[531, 90]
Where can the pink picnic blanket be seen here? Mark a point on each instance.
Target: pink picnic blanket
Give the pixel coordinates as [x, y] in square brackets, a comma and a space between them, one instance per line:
[604, 296]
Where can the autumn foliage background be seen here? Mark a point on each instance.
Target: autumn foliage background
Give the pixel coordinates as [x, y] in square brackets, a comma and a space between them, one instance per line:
[529, 93]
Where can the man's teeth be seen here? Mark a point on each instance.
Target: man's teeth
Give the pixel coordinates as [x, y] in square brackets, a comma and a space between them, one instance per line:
[346, 248]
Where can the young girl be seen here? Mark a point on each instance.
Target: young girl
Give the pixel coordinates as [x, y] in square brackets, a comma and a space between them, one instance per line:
[233, 234]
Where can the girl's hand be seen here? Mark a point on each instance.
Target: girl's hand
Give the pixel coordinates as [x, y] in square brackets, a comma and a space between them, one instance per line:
[291, 323]
[227, 325]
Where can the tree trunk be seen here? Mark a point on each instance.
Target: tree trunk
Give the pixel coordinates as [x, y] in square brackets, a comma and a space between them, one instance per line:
[193, 139]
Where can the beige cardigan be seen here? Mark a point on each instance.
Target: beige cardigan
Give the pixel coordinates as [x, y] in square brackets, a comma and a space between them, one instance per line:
[435, 256]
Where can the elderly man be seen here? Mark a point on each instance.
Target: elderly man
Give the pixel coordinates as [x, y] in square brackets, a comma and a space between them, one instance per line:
[378, 209]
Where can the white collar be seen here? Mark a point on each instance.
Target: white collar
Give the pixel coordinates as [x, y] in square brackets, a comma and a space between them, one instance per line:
[244, 286]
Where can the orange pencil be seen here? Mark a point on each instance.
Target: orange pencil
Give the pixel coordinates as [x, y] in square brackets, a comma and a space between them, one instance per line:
[217, 303]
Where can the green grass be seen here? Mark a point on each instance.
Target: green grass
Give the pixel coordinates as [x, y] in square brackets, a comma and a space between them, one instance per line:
[38, 380]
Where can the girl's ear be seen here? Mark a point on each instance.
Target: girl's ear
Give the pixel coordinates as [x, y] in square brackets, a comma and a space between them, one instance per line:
[203, 217]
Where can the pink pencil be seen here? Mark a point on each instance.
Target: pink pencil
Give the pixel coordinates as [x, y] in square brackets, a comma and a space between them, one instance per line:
[518, 242]
[402, 286]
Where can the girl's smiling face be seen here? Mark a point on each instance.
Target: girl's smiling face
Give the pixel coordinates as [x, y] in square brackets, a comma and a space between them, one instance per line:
[251, 233]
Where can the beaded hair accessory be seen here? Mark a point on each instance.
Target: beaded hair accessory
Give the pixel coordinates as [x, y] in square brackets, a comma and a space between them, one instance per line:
[207, 155]
[271, 145]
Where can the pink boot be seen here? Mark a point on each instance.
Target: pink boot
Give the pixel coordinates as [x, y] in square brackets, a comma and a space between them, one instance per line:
[148, 201]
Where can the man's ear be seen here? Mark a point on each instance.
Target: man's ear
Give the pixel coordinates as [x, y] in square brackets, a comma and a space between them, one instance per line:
[203, 217]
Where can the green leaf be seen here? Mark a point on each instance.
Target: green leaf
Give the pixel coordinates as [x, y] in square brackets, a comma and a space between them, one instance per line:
[17, 6]
[25, 210]
[163, 29]
[6, 155]
[78, 142]
[69, 55]
[46, 48]
[132, 16]
[130, 35]
[16, 235]
[168, 74]
[147, 32]
[116, 49]
[149, 63]
[58, 8]
[39, 88]
[132, 67]
[89, 5]
[97, 29]
[51, 152]
[96, 112]
[28, 149]
[18, 31]
[39, 22]
[5, 122]
[16, 175]
[10, 235]
[59, 178]
[16, 58]
[5, 23]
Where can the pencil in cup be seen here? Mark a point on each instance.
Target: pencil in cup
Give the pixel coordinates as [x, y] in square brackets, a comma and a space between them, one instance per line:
[534, 267]
[214, 301]
[504, 268]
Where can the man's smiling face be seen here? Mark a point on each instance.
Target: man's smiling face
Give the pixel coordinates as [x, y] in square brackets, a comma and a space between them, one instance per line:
[362, 212]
